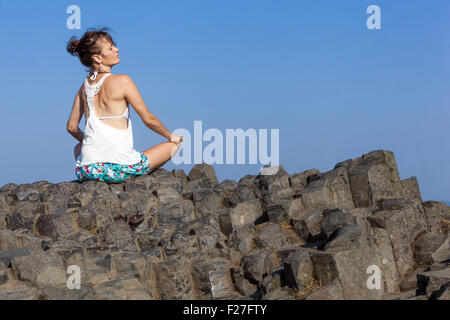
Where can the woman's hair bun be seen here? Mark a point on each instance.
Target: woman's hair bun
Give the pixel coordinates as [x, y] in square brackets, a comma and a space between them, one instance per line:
[72, 45]
[87, 46]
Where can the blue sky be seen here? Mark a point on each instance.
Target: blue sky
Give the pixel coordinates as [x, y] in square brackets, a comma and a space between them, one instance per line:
[311, 69]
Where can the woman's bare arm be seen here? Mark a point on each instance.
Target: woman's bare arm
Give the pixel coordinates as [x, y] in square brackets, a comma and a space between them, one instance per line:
[74, 119]
[133, 97]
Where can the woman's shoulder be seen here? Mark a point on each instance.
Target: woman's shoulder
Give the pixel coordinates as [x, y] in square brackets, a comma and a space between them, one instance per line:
[121, 79]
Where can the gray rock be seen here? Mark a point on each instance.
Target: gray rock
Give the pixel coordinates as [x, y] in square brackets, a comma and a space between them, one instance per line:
[225, 187]
[273, 281]
[126, 287]
[175, 212]
[150, 240]
[334, 220]
[373, 176]
[26, 192]
[56, 225]
[25, 214]
[283, 253]
[31, 241]
[442, 254]
[409, 282]
[415, 217]
[308, 224]
[41, 270]
[430, 282]
[59, 204]
[349, 267]
[180, 243]
[273, 179]
[63, 293]
[247, 189]
[344, 238]
[144, 183]
[64, 247]
[257, 265]
[271, 197]
[439, 265]
[340, 187]
[199, 184]
[207, 202]
[410, 188]
[137, 202]
[248, 212]
[212, 278]
[443, 293]
[71, 203]
[19, 292]
[7, 255]
[8, 240]
[208, 236]
[117, 188]
[7, 188]
[316, 232]
[279, 294]
[318, 194]
[298, 270]
[298, 181]
[402, 295]
[394, 222]
[68, 196]
[119, 235]
[390, 204]
[282, 210]
[425, 245]
[99, 212]
[97, 266]
[169, 193]
[437, 216]
[5, 209]
[6, 201]
[331, 291]
[173, 278]
[270, 235]
[66, 188]
[242, 239]
[203, 171]
[181, 176]
[6, 277]
[169, 188]
[385, 255]
[244, 287]
[140, 265]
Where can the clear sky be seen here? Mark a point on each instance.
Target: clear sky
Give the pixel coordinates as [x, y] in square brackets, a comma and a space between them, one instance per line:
[311, 69]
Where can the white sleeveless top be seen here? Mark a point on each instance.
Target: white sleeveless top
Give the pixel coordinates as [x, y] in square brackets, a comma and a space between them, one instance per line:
[103, 143]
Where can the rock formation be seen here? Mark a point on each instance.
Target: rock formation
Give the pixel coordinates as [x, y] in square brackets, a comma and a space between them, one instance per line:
[355, 232]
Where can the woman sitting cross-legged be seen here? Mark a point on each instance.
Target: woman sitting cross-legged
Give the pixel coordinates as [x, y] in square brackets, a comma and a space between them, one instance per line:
[105, 152]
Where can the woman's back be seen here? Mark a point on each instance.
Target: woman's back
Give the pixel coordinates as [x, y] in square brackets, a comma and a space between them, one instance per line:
[108, 102]
[103, 142]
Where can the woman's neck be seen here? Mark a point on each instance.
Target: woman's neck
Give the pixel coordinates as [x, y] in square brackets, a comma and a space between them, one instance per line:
[105, 70]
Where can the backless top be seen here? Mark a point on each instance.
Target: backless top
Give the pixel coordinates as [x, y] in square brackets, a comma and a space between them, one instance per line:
[103, 143]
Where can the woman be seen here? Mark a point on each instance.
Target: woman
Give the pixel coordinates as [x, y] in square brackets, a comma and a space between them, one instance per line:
[106, 148]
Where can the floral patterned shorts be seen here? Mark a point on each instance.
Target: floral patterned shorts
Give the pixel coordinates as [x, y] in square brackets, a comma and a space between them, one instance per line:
[113, 172]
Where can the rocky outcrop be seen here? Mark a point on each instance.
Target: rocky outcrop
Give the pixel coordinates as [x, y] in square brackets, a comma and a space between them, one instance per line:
[355, 232]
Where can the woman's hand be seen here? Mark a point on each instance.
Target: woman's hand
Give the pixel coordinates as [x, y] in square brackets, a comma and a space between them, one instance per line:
[176, 139]
[77, 150]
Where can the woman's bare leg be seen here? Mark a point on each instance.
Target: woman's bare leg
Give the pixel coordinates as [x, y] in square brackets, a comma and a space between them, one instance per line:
[160, 154]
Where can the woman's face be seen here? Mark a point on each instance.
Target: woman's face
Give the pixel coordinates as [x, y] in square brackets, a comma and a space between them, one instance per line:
[110, 53]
